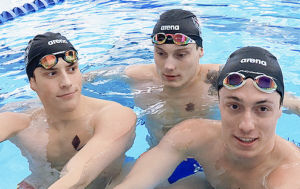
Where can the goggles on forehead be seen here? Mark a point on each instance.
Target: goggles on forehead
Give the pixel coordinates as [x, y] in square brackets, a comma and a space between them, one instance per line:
[50, 60]
[178, 39]
[263, 83]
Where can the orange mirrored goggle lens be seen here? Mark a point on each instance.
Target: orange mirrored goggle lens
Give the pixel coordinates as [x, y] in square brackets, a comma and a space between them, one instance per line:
[51, 60]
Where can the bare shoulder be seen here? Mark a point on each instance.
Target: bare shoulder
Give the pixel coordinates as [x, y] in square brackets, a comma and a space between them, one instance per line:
[194, 132]
[111, 115]
[286, 174]
[147, 71]
[210, 71]
[209, 74]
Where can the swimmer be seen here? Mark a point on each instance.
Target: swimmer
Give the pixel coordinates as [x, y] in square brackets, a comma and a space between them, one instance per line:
[73, 141]
[242, 150]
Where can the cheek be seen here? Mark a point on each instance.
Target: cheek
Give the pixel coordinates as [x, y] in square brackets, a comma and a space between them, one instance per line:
[189, 67]
[267, 125]
[78, 78]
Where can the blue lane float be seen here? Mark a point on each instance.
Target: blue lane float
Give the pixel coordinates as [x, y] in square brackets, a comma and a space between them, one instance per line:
[25, 9]
[20, 11]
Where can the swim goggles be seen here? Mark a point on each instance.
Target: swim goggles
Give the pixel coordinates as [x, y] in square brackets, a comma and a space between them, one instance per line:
[50, 60]
[263, 83]
[178, 39]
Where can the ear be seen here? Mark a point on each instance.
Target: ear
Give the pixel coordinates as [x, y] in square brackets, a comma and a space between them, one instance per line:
[201, 52]
[32, 84]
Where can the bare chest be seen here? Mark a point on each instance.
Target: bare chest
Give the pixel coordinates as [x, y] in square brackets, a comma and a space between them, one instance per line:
[62, 146]
[40, 142]
[186, 103]
[226, 177]
[165, 110]
[235, 180]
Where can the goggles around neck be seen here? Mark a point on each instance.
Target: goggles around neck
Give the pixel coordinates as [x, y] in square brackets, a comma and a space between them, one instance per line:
[178, 39]
[263, 83]
[49, 61]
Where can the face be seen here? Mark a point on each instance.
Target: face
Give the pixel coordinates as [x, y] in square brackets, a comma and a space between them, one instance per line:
[249, 119]
[59, 88]
[177, 65]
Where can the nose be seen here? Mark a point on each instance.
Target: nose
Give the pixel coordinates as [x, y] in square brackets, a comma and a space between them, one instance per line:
[170, 63]
[247, 123]
[65, 80]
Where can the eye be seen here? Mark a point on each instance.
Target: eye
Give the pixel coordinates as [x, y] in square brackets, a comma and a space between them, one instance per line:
[263, 109]
[160, 53]
[181, 55]
[73, 68]
[234, 107]
[52, 73]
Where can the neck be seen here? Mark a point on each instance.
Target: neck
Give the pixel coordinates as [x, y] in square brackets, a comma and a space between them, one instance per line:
[65, 116]
[265, 156]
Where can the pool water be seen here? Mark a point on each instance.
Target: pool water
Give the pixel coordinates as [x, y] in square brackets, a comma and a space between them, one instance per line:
[117, 32]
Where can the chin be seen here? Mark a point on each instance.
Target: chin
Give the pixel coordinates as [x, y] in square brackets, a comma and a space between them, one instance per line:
[172, 84]
[69, 106]
[244, 155]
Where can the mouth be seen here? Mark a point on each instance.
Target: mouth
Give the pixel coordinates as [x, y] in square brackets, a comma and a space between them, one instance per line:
[67, 94]
[246, 141]
[171, 77]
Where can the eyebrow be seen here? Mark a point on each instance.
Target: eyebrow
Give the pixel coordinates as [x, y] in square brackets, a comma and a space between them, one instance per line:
[241, 100]
[181, 49]
[234, 98]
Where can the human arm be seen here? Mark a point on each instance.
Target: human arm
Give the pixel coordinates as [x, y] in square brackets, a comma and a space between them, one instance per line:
[152, 168]
[292, 103]
[157, 165]
[135, 72]
[12, 123]
[190, 138]
[113, 136]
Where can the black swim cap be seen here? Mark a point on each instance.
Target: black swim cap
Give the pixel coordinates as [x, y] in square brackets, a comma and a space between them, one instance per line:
[179, 21]
[251, 62]
[44, 44]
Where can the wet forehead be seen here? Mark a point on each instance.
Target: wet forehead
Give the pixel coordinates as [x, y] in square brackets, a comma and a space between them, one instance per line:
[173, 47]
